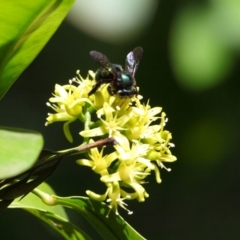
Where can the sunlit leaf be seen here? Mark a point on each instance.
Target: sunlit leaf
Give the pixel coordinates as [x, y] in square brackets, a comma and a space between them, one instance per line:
[26, 27]
[33, 201]
[114, 227]
[55, 216]
[19, 150]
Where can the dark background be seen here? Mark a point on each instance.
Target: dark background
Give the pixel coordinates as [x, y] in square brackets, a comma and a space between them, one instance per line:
[199, 198]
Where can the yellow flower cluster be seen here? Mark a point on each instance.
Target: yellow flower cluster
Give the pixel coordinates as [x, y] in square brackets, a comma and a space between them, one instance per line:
[143, 144]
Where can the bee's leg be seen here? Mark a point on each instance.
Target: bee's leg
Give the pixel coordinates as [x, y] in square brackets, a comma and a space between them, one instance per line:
[111, 92]
[95, 87]
[127, 93]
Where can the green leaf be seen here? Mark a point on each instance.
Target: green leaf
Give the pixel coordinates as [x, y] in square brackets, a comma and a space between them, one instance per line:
[19, 150]
[68, 230]
[26, 26]
[114, 227]
[32, 200]
[55, 216]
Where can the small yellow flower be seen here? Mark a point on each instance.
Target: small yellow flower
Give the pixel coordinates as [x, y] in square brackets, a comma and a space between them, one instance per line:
[68, 101]
[161, 144]
[113, 195]
[133, 168]
[111, 124]
[115, 198]
[98, 162]
[139, 125]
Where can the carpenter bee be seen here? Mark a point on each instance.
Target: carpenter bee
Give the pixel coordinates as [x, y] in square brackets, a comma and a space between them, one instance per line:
[121, 82]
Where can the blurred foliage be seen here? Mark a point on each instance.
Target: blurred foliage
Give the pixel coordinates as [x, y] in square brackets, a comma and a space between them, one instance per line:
[226, 21]
[204, 41]
[200, 59]
[207, 135]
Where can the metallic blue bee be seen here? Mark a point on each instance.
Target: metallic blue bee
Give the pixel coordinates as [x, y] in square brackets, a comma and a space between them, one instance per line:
[121, 82]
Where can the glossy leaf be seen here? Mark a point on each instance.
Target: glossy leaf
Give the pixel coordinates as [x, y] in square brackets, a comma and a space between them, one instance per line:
[26, 26]
[33, 201]
[114, 227]
[19, 150]
[55, 216]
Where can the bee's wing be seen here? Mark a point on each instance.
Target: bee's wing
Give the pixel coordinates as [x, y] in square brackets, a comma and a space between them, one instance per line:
[100, 58]
[133, 60]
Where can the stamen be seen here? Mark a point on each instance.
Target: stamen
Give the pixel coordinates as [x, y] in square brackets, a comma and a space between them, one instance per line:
[162, 166]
